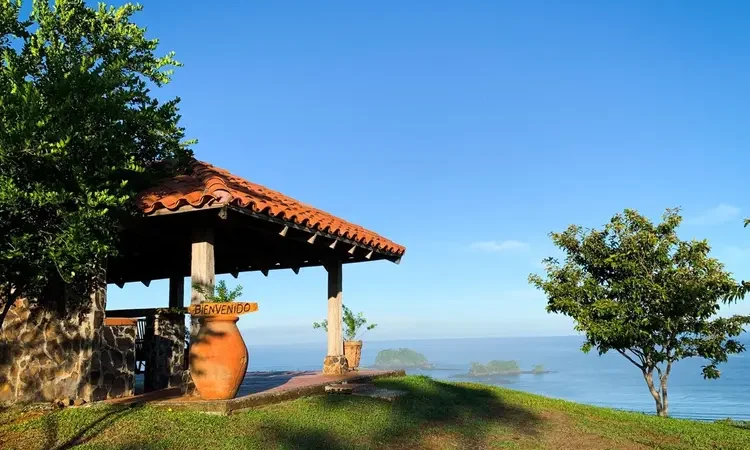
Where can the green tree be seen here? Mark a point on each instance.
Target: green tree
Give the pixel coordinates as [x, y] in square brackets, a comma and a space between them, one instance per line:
[219, 293]
[352, 324]
[478, 369]
[496, 366]
[80, 135]
[634, 287]
[403, 357]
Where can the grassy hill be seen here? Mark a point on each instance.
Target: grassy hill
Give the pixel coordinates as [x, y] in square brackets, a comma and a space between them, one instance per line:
[436, 415]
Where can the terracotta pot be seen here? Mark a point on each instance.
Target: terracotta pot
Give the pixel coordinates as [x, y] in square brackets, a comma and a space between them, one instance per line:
[353, 352]
[218, 358]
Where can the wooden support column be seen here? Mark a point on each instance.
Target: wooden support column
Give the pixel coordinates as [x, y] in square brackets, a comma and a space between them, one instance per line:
[171, 329]
[335, 300]
[176, 292]
[202, 270]
[335, 363]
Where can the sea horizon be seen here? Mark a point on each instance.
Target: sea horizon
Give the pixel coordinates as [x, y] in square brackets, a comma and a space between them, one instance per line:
[608, 380]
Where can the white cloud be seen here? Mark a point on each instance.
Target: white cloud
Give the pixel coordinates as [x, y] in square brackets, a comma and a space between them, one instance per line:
[498, 246]
[717, 215]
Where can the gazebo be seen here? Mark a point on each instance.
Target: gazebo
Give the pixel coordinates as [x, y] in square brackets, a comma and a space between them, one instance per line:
[202, 224]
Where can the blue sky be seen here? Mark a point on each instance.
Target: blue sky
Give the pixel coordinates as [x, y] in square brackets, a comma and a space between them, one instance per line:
[466, 131]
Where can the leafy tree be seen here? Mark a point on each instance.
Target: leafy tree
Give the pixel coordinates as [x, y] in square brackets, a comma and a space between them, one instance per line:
[352, 324]
[494, 367]
[220, 293]
[478, 369]
[402, 357]
[538, 368]
[634, 287]
[80, 135]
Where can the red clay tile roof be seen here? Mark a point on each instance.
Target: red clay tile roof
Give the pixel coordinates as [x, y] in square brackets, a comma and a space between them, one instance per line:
[208, 185]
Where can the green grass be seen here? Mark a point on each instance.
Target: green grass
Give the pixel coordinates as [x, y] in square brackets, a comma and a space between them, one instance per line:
[435, 415]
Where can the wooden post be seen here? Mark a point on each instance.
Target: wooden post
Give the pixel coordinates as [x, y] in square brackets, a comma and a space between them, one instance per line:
[176, 292]
[202, 264]
[335, 363]
[335, 339]
[202, 271]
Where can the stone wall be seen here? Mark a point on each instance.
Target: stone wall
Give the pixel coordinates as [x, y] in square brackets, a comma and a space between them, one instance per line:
[46, 352]
[165, 341]
[49, 353]
[113, 367]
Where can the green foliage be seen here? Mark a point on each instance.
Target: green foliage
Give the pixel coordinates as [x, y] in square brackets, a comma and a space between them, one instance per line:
[494, 367]
[219, 293]
[636, 288]
[538, 368]
[402, 357]
[352, 324]
[321, 325]
[478, 369]
[81, 135]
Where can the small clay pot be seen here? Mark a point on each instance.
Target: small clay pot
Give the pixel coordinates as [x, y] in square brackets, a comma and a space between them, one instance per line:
[218, 358]
[353, 353]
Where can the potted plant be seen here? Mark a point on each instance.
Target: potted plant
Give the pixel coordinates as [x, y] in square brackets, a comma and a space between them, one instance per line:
[218, 356]
[352, 326]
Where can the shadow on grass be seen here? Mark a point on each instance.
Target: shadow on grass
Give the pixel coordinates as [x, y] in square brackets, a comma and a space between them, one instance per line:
[449, 415]
[51, 426]
[470, 412]
[303, 439]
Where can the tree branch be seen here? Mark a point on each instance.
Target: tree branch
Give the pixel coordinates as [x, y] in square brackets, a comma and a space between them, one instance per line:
[638, 353]
[622, 352]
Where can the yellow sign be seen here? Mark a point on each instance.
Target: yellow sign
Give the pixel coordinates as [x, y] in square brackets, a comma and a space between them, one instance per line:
[225, 308]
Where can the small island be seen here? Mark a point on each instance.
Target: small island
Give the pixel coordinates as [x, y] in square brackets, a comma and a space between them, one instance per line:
[497, 367]
[402, 358]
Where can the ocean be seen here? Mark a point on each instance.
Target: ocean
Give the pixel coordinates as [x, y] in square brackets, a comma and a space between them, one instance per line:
[608, 380]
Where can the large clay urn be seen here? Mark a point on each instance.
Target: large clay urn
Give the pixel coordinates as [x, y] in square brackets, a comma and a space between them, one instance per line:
[218, 358]
[353, 353]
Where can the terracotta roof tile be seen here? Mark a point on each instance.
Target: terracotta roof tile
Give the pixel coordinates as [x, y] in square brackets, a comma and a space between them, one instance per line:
[208, 185]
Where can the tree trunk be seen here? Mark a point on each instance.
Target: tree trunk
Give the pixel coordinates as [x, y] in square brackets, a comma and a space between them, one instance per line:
[661, 409]
[664, 399]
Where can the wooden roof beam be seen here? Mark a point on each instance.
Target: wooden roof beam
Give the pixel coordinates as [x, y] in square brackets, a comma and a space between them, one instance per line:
[186, 209]
[310, 231]
[257, 266]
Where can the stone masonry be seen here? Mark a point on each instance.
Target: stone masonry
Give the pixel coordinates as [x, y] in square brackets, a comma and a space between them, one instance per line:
[113, 367]
[46, 352]
[166, 349]
[335, 365]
